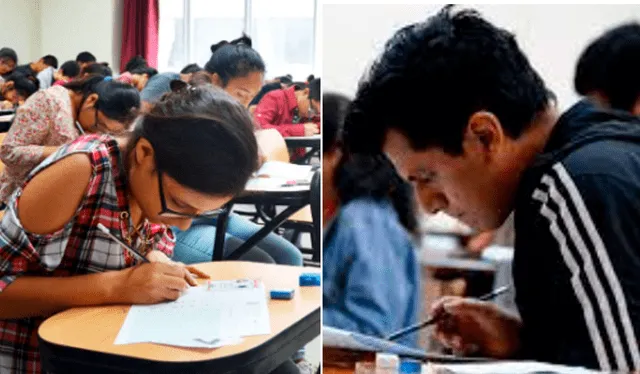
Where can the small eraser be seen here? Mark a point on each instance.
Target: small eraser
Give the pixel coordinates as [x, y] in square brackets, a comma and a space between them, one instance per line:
[387, 361]
[286, 294]
[310, 279]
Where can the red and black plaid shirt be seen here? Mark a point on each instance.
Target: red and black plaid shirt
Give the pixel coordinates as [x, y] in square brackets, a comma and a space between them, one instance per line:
[78, 248]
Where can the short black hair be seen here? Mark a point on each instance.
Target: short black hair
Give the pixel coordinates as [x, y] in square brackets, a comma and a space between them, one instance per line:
[149, 71]
[610, 66]
[314, 89]
[116, 100]
[100, 68]
[433, 75]
[207, 130]
[70, 69]
[191, 68]
[50, 60]
[234, 59]
[25, 85]
[135, 62]
[285, 79]
[8, 54]
[85, 57]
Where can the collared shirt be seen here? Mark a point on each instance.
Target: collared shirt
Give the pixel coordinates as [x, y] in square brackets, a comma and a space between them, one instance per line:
[78, 248]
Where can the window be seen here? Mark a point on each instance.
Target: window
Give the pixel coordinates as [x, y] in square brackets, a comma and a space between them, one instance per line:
[282, 31]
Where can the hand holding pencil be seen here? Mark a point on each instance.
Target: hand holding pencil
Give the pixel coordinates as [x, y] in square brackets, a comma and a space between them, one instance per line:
[472, 326]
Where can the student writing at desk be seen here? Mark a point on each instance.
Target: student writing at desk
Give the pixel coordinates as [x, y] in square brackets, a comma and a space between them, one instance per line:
[371, 278]
[291, 110]
[52, 254]
[58, 115]
[16, 89]
[239, 70]
[493, 142]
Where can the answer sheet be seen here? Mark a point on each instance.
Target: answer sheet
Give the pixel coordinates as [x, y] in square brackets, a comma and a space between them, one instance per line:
[208, 316]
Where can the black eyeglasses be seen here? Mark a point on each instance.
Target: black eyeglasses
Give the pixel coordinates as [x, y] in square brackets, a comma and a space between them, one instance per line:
[172, 213]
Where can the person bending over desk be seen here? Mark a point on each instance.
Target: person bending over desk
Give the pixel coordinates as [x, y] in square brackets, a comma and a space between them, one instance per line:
[371, 278]
[57, 116]
[52, 255]
[16, 89]
[239, 70]
[493, 143]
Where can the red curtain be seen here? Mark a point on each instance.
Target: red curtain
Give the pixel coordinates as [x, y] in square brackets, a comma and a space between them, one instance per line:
[140, 31]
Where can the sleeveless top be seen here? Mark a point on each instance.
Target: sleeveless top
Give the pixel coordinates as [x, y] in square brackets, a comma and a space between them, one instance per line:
[78, 248]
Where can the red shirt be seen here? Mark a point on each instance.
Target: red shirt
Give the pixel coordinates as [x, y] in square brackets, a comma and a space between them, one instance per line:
[277, 109]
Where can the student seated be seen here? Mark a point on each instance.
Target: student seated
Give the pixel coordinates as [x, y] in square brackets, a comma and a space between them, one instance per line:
[290, 110]
[8, 61]
[16, 89]
[57, 116]
[487, 141]
[239, 70]
[54, 256]
[138, 77]
[36, 67]
[67, 72]
[85, 59]
[607, 70]
[370, 272]
[46, 76]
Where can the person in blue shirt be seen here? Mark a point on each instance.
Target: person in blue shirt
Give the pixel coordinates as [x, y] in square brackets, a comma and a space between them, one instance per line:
[371, 278]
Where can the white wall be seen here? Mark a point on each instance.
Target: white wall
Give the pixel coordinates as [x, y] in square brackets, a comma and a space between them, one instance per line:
[20, 21]
[72, 26]
[552, 36]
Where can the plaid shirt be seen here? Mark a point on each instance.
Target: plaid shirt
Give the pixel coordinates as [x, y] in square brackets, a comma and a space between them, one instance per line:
[78, 248]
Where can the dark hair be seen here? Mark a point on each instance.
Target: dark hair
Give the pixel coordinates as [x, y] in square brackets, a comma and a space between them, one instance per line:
[98, 68]
[207, 130]
[310, 78]
[70, 69]
[199, 78]
[314, 89]
[135, 62]
[116, 100]
[85, 57]
[285, 79]
[234, 59]
[144, 70]
[609, 65]
[191, 68]
[462, 64]
[364, 175]
[50, 60]
[8, 54]
[25, 85]
[299, 86]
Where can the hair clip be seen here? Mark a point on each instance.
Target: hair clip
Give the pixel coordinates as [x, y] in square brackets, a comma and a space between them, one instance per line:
[107, 79]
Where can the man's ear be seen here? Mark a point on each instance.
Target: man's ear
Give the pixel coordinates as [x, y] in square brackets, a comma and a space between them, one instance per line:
[484, 133]
[636, 108]
[9, 86]
[91, 100]
[217, 80]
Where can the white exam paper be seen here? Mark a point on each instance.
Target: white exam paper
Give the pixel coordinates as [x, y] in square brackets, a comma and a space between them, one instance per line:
[208, 316]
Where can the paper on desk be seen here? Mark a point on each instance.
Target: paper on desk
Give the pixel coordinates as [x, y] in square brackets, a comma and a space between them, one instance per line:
[503, 367]
[277, 169]
[203, 317]
[336, 338]
[273, 185]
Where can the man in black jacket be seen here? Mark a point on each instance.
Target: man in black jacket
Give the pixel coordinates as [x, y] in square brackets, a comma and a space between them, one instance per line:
[480, 137]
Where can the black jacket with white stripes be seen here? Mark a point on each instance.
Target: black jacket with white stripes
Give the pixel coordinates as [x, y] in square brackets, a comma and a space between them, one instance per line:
[577, 258]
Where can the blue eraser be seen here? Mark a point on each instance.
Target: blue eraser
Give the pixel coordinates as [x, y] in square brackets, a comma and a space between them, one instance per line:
[282, 294]
[310, 279]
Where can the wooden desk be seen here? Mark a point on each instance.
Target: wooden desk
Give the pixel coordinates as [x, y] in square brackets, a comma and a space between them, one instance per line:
[80, 340]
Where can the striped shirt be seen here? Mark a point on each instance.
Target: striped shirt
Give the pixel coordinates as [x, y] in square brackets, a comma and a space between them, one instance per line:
[577, 253]
[78, 248]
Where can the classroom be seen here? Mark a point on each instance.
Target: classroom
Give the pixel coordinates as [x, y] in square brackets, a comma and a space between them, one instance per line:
[480, 188]
[160, 186]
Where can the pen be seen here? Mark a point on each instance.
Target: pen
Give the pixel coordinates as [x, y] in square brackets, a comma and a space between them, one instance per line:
[132, 251]
[408, 330]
